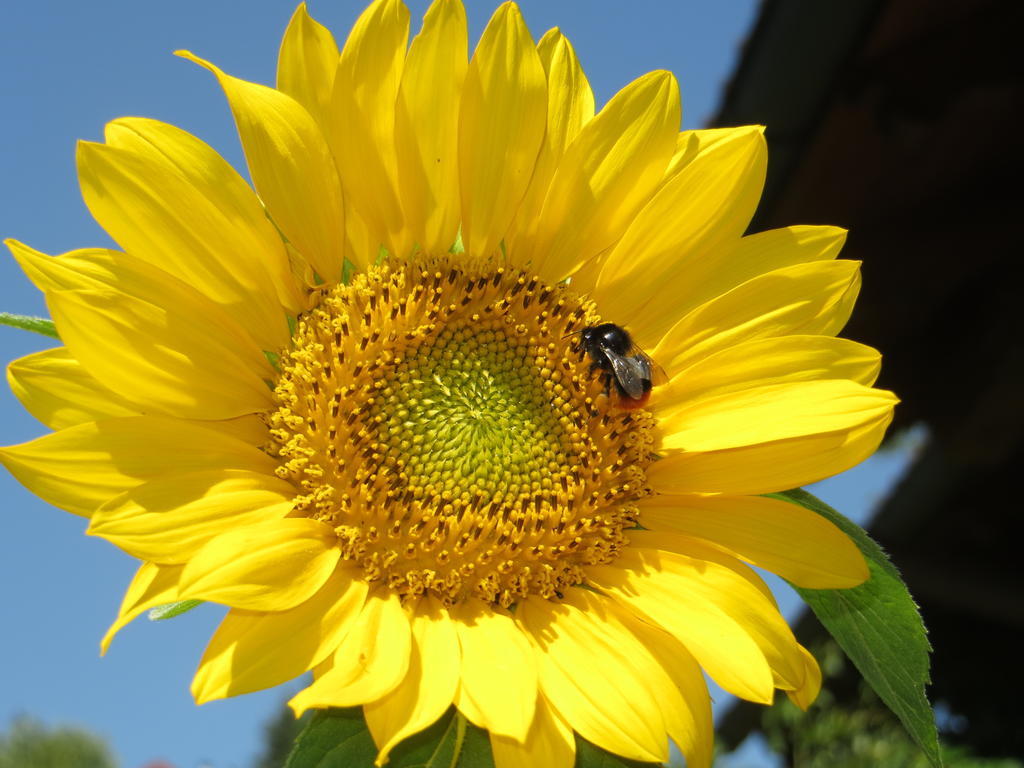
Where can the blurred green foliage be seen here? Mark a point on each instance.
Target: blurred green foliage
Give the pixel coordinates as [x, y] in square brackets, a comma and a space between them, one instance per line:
[279, 734]
[856, 732]
[29, 744]
[849, 728]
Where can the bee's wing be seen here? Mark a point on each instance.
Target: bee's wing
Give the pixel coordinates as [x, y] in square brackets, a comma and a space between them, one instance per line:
[658, 375]
[631, 372]
[655, 373]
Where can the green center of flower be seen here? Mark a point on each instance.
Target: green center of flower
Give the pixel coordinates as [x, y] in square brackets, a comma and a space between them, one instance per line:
[468, 416]
[443, 419]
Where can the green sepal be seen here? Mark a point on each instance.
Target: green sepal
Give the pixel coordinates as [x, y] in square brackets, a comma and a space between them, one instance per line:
[170, 610]
[878, 626]
[590, 756]
[339, 738]
[41, 325]
[457, 247]
[348, 271]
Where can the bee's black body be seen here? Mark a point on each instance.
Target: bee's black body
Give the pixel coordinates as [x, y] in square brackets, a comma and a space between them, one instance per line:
[612, 351]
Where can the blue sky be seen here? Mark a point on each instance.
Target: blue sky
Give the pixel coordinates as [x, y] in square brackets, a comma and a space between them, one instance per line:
[68, 67]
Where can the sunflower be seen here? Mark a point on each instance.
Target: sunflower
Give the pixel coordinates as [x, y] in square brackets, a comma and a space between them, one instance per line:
[357, 403]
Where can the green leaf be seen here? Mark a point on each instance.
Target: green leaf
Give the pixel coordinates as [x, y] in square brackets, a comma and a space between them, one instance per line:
[170, 610]
[334, 737]
[43, 325]
[339, 738]
[476, 747]
[878, 626]
[590, 756]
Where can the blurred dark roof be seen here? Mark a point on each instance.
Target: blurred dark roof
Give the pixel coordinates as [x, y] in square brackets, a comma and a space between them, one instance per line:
[901, 121]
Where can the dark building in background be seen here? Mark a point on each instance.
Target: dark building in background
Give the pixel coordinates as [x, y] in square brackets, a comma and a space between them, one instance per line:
[902, 121]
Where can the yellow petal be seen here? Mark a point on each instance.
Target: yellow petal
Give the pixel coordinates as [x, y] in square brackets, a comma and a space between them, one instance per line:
[772, 413]
[767, 627]
[682, 694]
[686, 149]
[804, 696]
[812, 298]
[84, 268]
[549, 743]
[169, 199]
[146, 335]
[249, 429]
[797, 544]
[598, 677]
[768, 361]
[169, 519]
[570, 107]
[151, 586]
[362, 246]
[238, 230]
[606, 174]
[428, 688]
[570, 97]
[725, 265]
[172, 357]
[251, 651]
[82, 467]
[691, 726]
[97, 269]
[362, 124]
[501, 126]
[55, 388]
[292, 170]
[104, 270]
[706, 205]
[307, 63]
[690, 144]
[268, 566]
[768, 467]
[370, 662]
[701, 550]
[426, 126]
[705, 606]
[498, 688]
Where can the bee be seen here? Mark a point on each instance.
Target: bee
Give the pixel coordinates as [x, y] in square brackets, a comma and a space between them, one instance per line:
[612, 351]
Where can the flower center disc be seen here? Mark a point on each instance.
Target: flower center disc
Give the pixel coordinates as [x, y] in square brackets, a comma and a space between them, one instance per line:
[441, 417]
